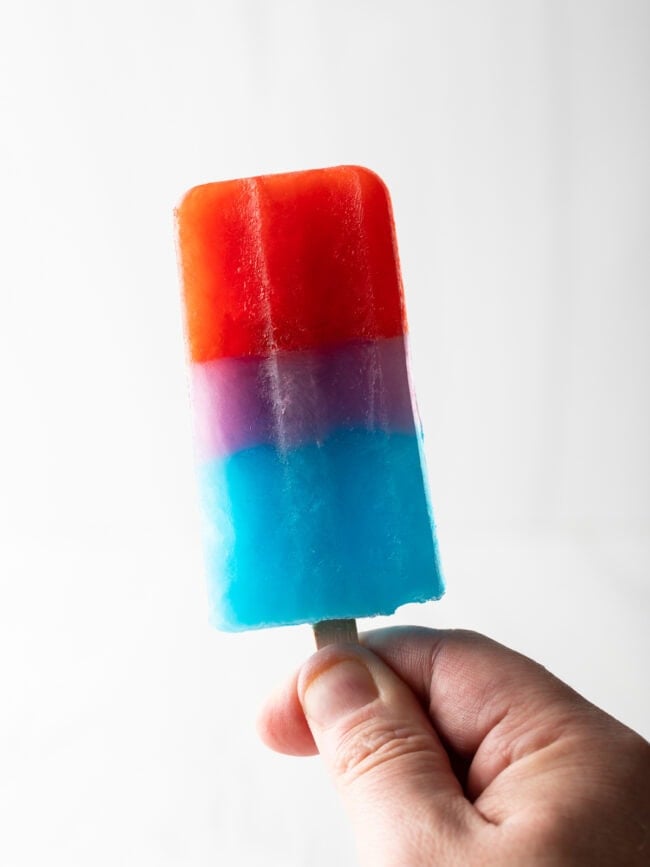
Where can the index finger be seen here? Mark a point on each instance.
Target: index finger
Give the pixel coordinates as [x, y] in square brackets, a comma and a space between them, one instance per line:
[487, 703]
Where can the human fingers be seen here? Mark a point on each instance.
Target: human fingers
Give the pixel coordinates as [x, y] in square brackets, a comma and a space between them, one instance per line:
[282, 725]
[393, 773]
[489, 704]
[466, 681]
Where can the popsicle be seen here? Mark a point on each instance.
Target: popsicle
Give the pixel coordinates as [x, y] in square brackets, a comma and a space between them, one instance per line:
[309, 447]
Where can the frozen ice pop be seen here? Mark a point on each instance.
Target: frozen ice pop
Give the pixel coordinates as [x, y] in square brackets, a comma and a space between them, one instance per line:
[309, 448]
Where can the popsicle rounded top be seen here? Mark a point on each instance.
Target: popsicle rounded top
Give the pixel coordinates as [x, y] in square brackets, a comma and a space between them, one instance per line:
[287, 262]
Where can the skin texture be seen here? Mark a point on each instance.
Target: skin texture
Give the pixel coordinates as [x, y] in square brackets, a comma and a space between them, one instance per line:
[449, 749]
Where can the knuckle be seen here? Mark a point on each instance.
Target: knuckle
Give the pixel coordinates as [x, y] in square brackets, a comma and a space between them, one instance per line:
[379, 744]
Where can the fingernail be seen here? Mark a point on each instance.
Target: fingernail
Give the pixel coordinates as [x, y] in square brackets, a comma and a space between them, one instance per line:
[337, 691]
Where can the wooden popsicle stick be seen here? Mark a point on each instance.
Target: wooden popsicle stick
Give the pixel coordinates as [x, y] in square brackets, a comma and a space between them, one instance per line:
[335, 632]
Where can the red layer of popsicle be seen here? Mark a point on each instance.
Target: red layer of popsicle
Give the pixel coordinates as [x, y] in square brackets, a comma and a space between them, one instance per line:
[292, 261]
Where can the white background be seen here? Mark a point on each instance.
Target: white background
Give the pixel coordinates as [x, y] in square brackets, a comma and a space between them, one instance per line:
[514, 137]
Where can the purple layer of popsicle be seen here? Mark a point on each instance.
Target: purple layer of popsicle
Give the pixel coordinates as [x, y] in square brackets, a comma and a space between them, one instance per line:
[291, 398]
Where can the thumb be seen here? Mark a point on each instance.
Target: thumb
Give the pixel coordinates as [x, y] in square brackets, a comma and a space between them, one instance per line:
[395, 778]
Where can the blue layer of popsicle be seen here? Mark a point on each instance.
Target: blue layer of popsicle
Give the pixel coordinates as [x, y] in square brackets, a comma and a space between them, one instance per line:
[341, 529]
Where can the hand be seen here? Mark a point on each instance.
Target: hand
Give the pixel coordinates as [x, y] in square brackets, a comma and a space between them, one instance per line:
[450, 749]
